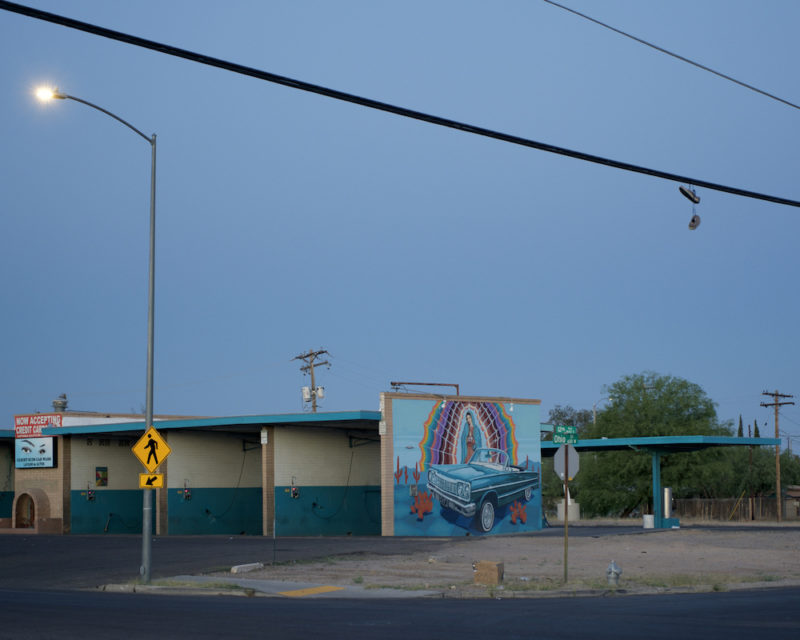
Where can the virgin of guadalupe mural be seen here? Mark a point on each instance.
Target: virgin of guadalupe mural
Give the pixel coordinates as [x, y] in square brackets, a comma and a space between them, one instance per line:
[469, 464]
[454, 430]
[471, 438]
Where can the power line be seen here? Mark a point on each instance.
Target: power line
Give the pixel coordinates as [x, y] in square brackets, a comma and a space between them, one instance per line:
[674, 55]
[783, 415]
[380, 106]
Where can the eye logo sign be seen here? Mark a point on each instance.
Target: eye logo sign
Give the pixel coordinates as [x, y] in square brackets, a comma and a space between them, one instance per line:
[31, 453]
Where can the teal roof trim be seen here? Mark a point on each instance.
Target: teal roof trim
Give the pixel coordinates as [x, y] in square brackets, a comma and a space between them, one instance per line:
[337, 418]
[662, 444]
[280, 418]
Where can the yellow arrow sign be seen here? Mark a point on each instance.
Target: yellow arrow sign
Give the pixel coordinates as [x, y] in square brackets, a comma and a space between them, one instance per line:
[151, 449]
[151, 480]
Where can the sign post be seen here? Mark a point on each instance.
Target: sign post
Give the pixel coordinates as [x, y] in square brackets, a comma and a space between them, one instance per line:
[566, 467]
[151, 450]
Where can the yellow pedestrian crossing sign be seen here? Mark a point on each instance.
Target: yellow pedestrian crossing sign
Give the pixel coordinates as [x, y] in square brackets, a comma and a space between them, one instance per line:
[151, 480]
[151, 449]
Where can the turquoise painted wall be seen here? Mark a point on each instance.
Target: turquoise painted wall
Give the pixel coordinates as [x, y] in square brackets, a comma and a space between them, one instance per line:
[316, 511]
[215, 511]
[328, 511]
[111, 511]
[6, 503]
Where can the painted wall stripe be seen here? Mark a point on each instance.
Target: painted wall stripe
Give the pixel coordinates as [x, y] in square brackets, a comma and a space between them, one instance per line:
[311, 591]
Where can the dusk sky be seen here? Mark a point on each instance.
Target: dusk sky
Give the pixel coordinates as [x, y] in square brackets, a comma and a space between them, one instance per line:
[288, 221]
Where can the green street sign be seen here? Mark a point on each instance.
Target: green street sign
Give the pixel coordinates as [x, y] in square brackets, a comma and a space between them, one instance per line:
[565, 434]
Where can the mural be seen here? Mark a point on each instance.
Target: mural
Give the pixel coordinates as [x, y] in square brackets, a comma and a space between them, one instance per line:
[465, 467]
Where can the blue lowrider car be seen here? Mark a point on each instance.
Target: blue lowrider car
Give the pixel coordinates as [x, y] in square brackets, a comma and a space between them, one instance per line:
[478, 488]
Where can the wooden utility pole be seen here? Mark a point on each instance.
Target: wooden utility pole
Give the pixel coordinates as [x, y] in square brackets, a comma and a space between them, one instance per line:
[777, 403]
[310, 362]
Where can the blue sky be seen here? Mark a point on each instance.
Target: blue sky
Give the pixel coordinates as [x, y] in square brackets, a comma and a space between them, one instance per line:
[288, 221]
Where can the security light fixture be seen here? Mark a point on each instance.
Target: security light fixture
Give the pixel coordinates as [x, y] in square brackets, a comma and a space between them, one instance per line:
[47, 93]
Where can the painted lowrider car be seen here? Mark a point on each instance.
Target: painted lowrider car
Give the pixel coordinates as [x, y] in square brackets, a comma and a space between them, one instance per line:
[481, 486]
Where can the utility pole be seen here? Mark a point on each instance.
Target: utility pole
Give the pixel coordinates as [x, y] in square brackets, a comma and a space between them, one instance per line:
[310, 362]
[777, 403]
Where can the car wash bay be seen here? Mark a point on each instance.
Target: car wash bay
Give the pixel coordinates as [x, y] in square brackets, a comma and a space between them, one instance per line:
[290, 474]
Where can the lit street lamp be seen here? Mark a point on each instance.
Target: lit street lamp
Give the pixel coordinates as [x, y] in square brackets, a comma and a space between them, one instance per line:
[45, 94]
[594, 409]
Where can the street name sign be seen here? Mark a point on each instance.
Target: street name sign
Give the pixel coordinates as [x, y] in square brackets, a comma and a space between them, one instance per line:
[565, 434]
[151, 449]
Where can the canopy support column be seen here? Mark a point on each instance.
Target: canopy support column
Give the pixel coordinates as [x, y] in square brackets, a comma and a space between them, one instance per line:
[658, 507]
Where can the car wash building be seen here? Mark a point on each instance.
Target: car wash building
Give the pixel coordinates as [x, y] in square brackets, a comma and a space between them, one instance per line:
[387, 472]
[423, 465]
[296, 474]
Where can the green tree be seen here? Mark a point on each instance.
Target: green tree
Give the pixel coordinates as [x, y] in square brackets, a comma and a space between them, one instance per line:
[756, 433]
[642, 405]
[581, 418]
[740, 432]
[790, 469]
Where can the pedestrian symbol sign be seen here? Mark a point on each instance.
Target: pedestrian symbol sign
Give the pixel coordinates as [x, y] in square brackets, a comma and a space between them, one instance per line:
[151, 449]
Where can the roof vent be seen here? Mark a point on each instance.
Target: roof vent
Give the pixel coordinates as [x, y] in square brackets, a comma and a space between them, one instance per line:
[60, 403]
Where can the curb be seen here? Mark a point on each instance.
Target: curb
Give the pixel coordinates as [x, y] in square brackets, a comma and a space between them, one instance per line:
[181, 590]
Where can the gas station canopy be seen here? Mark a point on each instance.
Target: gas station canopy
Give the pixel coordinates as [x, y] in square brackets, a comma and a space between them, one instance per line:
[658, 446]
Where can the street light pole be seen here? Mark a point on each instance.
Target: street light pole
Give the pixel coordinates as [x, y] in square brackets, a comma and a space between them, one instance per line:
[147, 496]
[147, 499]
[594, 409]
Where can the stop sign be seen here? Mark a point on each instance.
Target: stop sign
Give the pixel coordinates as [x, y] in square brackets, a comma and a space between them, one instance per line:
[566, 458]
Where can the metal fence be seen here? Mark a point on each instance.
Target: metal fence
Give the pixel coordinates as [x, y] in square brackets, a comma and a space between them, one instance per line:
[735, 510]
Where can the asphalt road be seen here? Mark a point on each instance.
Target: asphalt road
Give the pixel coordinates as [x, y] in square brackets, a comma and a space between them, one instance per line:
[766, 614]
[79, 562]
[47, 591]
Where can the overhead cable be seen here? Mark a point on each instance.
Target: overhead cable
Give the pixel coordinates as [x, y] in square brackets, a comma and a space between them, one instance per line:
[674, 55]
[380, 106]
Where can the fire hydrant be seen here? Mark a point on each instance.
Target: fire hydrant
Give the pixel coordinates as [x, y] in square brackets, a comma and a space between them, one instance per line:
[613, 573]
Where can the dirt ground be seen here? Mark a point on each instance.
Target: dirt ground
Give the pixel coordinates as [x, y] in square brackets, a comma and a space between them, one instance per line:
[685, 559]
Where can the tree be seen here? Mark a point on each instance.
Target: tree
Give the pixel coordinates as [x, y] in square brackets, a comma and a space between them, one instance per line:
[790, 469]
[740, 432]
[756, 433]
[581, 418]
[642, 405]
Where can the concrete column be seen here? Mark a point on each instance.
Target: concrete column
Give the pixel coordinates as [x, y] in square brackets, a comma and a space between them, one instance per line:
[658, 507]
[267, 480]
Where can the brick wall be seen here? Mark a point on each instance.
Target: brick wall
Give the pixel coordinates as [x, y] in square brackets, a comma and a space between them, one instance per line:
[387, 467]
[50, 481]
